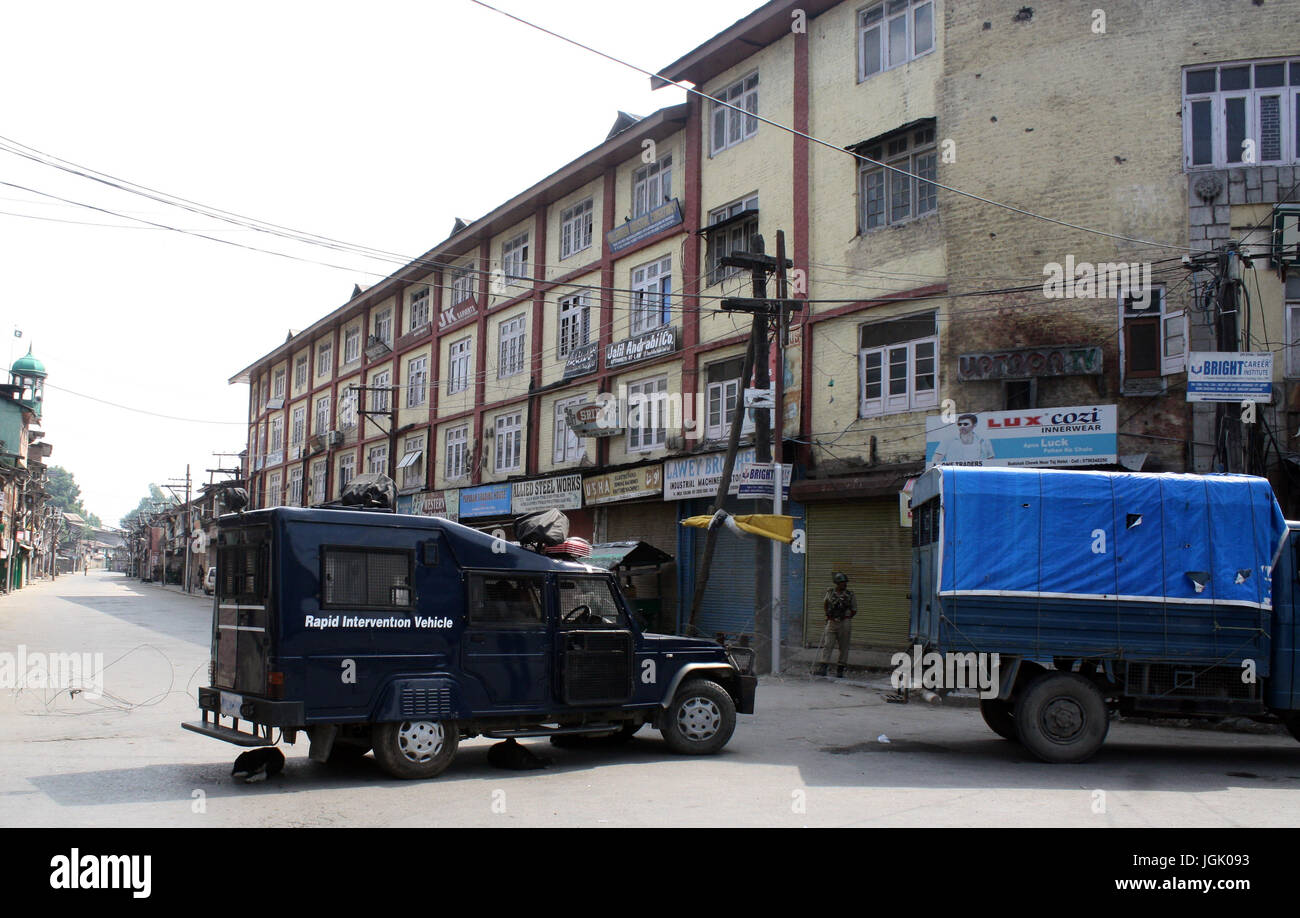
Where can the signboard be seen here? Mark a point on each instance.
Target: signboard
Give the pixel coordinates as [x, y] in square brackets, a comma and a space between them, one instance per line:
[756, 480]
[1230, 377]
[657, 343]
[561, 493]
[1022, 363]
[453, 315]
[904, 504]
[1031, 437]
[488, 500]
[628, 484]
[444, 504]
[582, 360]
[698, 476]
[643, 227]
[597, 419]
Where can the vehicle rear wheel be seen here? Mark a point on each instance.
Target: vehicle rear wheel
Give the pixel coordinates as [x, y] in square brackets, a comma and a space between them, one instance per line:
[415, 748]
[998, 715]
[1061, 718]
[700, 720]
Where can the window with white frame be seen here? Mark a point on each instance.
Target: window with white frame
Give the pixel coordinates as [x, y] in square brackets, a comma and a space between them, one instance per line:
[646, 414]
[384, 326]
[897, 365]
[348, 408]
[277, 435]
[298, 429]
[256, 457]
[377, 460]
[1293, 326]
[1242, 114]
[411, 464]
[380, 384]
[652, 287]
[732, 229]
[652, 185]
[455, 449]
[568, 446]
[722, 391]
[277, 385]
[274, 490]
[575, 228]
[575, 323]
[417, 381]
[893, 33]
[458, 366]
[887, 196]
[316, 489]
[734, 122]
[325, 358]
[514, 258]
[300, 372]
[462, 284]
[347, 470]
[510, 346]
[417, 309]
[1153, 339]
[322, 414]
[352, 344]
[509, 437]
[295, 486]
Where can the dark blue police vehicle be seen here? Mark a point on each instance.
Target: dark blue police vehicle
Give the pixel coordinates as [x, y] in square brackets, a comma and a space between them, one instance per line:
[405, 634]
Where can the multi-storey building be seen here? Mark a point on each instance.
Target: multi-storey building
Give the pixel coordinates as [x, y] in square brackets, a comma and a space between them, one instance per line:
[952, 169]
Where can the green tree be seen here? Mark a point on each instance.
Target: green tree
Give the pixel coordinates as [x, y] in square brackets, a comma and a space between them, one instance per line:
[156, 500]
[63, 491]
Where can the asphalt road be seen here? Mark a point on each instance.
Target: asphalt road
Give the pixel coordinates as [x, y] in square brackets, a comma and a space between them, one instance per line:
[811, 756]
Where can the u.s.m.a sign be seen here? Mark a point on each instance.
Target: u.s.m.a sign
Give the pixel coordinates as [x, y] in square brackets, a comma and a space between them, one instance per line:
[643, 347]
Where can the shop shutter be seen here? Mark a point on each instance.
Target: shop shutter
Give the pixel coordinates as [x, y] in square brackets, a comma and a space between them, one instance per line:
[728, 604]
[863, 539]
[654, 522]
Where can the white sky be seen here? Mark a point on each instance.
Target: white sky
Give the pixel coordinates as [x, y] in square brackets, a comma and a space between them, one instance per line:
[376, 124]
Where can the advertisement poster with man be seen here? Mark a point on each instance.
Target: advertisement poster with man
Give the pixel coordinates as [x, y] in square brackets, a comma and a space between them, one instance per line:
[1039, 437]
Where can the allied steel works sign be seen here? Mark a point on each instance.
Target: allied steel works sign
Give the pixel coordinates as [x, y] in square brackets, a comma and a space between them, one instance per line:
[1024, 363]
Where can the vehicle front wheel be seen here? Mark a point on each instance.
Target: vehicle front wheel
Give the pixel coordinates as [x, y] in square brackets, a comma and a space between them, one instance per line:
[700, 719]
[997, 714]
[415, 748]
[1061, 718]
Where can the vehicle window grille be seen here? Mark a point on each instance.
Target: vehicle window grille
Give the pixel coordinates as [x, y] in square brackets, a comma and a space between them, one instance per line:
[374, 579]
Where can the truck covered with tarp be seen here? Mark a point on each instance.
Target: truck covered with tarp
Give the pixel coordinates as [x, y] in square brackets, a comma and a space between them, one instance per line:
[1158, 590]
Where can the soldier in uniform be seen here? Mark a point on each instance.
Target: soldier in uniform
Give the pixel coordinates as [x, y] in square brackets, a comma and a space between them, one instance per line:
[841, 605]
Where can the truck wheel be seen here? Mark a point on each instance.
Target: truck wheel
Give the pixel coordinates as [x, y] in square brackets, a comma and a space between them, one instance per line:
[1061, 718]
[415, 748]
[997, 714]
[700, 720]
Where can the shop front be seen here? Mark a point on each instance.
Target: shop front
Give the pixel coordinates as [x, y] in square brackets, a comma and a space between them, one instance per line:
[627, 506]
[858, 526]
[729, 604]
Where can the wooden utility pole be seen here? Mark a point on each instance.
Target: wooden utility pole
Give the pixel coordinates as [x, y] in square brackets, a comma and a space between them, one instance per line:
[756, 361]
[391, 414]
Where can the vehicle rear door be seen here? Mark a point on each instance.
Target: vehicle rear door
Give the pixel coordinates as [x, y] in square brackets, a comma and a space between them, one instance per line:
[506, 646]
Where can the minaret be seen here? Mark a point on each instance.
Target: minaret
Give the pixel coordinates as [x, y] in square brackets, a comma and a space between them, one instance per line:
[29, 373]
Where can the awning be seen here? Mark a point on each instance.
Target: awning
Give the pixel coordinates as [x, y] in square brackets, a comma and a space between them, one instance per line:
[410, 458]
[627, 554]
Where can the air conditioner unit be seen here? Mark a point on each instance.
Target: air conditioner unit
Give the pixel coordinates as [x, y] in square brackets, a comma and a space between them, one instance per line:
[334, 438]
[377, 347]
[316, 443]
[674, 443]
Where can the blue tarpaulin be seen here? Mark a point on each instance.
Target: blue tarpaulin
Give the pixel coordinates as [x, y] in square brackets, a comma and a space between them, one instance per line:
[1137, 537]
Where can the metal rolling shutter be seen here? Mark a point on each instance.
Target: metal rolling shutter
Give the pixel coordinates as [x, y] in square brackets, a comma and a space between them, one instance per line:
[728, 604]
[654, 522]
[863, 539]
